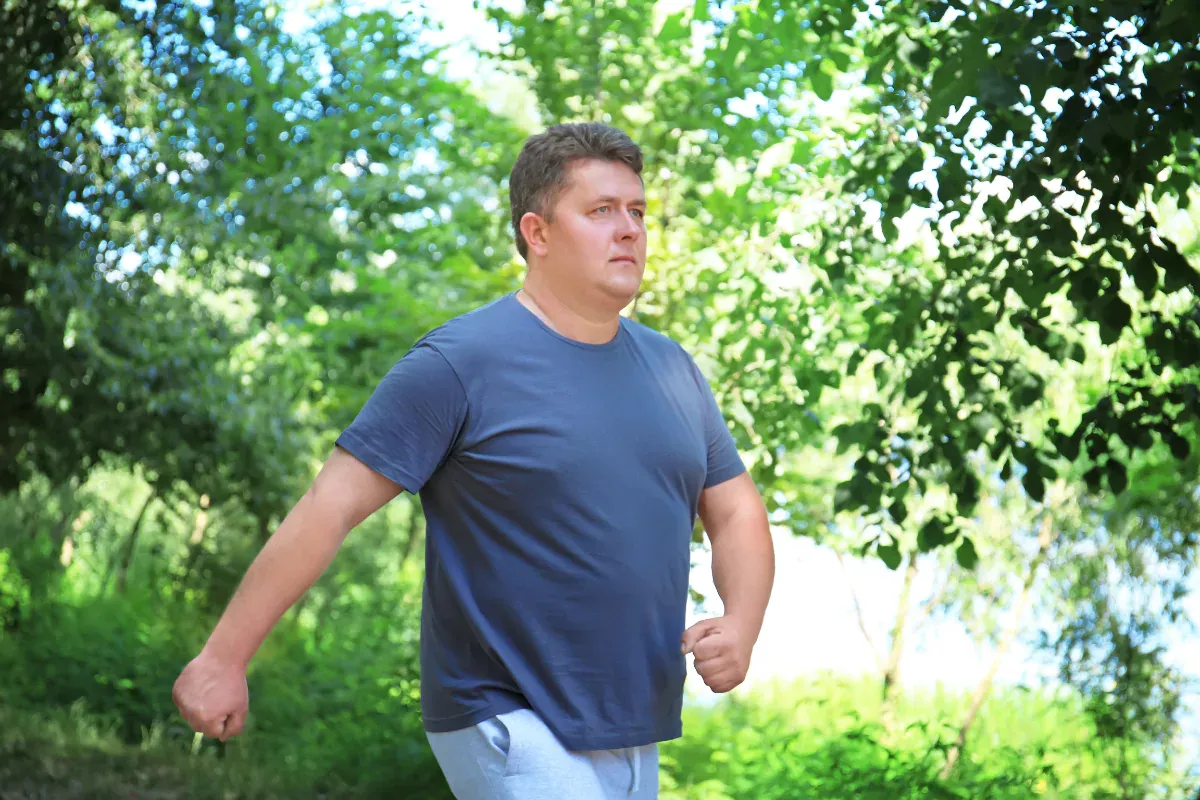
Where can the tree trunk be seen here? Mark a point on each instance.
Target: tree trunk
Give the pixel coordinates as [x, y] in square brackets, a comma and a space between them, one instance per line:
[1045, 537]
[131, 543]
[891, 674]
[69, 503]
[199, 527]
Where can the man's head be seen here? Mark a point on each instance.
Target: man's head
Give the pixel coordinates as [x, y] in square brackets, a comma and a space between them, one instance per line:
[578, 211]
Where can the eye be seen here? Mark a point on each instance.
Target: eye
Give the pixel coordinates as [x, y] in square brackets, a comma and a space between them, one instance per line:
[640, 213]
[602, 208]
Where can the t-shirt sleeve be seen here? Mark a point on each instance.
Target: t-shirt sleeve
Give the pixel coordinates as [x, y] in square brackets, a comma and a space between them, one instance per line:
[724, 461]
[409, 424]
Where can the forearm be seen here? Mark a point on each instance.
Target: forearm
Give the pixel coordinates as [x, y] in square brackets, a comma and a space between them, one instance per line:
[743, 565]
[294, 557]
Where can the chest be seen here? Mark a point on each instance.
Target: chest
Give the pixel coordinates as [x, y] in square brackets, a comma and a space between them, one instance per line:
[570, 427]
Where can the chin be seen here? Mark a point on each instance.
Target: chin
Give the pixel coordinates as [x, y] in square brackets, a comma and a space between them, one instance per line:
[622, 291]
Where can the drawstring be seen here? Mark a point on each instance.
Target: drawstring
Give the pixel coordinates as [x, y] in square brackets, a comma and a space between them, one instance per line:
[635, 762]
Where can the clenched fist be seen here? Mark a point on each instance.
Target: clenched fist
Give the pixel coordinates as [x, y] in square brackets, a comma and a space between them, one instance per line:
[722, 651]
[212, 696]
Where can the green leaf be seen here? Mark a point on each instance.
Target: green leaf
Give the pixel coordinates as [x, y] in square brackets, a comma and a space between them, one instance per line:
[1179, 446]
[802, 150]
[1175, 13]
[1028, 393]
[874, 76]
[889, 554]
[1068, 446]
[965, 555]
[966, 488]
[1177, 272]
[1129, 432]
[1118, 478]
[700, 11]
[673, 28]
[822, 82]
[774, 157]
[1123, 125]
[1145, 275]
[1116, 316]
[843, 497]
[1033, 483]
[931, 536]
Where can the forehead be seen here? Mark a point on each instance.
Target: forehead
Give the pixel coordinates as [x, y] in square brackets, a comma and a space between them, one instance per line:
[595, 178]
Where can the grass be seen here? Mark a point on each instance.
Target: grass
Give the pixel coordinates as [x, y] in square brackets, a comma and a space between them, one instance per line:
[69, 754]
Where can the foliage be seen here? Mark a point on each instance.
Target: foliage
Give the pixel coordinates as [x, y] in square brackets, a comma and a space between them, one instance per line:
[819, 741]
[824, 739]
[102, 359]
[330, 714]
[1044, 145]
[934, 256]
[156, 319]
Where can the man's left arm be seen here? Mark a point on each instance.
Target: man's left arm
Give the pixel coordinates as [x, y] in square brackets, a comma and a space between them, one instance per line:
[743, 563]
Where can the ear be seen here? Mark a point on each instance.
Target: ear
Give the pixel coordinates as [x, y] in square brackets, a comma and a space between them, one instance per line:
[535, 230]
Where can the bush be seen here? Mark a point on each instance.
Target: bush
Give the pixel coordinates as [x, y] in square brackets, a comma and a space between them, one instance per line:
[118, 656]
[822, 739]
[333, 713]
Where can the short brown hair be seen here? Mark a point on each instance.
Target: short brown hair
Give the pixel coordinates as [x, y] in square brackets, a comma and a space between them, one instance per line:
[541, 171]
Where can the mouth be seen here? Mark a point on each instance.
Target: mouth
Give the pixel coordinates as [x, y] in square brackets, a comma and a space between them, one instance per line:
[624, 260]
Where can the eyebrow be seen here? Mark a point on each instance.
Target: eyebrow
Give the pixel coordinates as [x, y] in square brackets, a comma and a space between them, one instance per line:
[612, 199]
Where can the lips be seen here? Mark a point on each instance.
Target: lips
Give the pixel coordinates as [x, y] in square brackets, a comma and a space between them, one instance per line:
[629, 259]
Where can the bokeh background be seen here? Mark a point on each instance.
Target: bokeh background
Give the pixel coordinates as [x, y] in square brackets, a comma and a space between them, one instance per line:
[937, 258]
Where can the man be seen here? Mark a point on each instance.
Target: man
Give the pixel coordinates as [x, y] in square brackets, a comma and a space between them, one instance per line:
[562, 453]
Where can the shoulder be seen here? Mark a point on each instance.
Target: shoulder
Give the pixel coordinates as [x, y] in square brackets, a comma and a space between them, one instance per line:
[470, 336]
[661, 346]
[654, 341]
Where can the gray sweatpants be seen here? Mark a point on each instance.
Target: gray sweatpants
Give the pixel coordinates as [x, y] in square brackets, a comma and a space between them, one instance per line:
[514, 756]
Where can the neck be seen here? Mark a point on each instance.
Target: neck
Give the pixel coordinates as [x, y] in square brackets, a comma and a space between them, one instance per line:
[566, 315]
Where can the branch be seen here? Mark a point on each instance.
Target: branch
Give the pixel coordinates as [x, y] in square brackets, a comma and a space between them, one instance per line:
[934, 599]
[858, 612]
[1045, 538]
[891, 673]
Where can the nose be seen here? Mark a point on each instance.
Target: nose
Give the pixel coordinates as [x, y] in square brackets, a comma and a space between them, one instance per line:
[629, 228]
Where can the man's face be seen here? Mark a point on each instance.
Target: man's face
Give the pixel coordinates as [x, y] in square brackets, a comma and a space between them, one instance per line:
[595, 242]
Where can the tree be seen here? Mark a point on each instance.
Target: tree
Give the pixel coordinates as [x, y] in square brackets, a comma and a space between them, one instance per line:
[1046, 142]
[100, 358]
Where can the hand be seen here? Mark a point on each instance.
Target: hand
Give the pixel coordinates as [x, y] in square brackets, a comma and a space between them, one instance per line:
[722, 651]
[212, 696]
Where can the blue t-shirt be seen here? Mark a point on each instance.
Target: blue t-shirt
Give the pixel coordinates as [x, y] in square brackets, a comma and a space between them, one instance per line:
[560, 483]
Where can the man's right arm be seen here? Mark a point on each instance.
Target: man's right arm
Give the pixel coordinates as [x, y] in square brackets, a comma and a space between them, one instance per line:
[403, 433]
[211, 692]
[344, 493]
